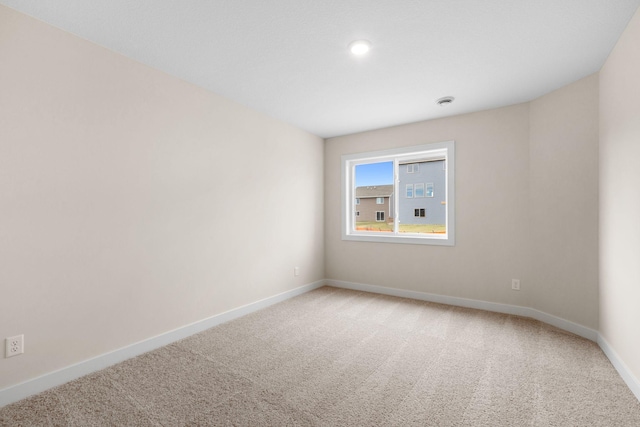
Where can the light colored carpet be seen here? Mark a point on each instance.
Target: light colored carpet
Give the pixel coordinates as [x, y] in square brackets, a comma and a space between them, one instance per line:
[335, 357]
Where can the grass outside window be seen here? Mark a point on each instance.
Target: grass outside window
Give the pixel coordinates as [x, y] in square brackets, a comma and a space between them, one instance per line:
[402, 228]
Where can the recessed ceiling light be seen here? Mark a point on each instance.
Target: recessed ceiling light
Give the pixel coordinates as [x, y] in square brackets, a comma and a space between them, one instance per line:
[359, 47]
[444, 101]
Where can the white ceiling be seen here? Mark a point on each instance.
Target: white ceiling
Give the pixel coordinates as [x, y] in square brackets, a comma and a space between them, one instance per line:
[289, 58]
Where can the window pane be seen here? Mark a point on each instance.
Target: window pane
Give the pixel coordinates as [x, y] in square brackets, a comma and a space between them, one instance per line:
[413, 211]
[409, 193]
[413, 167]
[373, 190]
[429, 189]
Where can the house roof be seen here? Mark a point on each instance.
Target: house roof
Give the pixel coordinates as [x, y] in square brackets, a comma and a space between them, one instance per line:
[374, 191]
[408, 162]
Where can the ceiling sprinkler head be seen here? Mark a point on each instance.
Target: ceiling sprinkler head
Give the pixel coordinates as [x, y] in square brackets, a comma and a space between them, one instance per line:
[447, 100]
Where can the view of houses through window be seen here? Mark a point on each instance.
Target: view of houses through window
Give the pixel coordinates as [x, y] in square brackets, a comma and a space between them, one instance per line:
[400, 195]
[421, 207]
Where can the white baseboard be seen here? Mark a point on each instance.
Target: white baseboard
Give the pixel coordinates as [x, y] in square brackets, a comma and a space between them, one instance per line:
[20, 391]
[28, 388]
[517, 310]
[632, 382]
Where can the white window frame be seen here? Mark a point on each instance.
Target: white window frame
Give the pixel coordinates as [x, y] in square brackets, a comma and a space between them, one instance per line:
[379, 200]
[357, 200]
[378, 216]
[415, 190]
[434, 151]
[413, 167]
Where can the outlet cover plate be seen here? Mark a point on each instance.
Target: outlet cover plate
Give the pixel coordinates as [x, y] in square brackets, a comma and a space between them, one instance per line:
[14, 345]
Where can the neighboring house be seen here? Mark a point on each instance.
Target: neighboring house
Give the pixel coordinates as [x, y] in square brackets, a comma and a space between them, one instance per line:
[422, 192]
[374, 203]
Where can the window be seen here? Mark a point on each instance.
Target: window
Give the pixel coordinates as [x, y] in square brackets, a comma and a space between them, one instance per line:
[413, 167]
[409, 191]
[430, 188]
[357, 200]
[379, 200]
[382, 174]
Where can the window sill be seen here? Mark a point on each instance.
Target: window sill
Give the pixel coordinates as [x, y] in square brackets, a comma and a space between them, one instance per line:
[408, 238]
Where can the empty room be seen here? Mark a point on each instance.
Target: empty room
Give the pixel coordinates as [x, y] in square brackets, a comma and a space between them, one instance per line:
[319, 213]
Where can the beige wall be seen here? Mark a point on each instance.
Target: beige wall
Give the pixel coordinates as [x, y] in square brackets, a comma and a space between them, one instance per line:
[563, 181]
[132, 203]
[620, 198]
[492, 187]
[526, 208]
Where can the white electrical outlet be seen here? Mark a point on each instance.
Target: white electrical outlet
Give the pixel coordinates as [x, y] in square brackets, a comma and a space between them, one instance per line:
[296, 271]
[14, 345]
[515, 284]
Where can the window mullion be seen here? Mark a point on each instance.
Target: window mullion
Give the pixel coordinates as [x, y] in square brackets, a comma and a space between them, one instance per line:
[396, 193]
